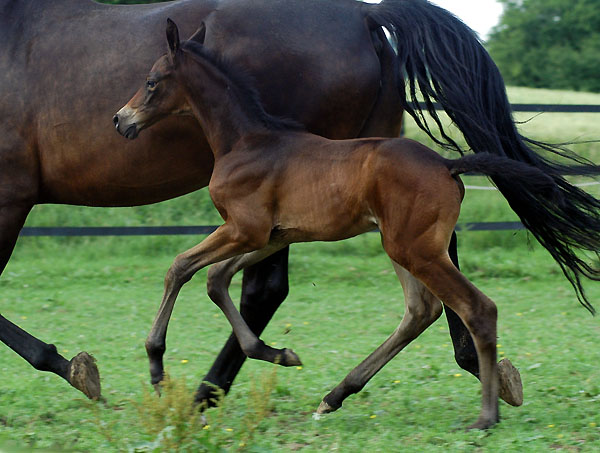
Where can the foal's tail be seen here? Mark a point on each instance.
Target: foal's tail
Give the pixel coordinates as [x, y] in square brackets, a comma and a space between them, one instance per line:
[527, 177]
[441, 59]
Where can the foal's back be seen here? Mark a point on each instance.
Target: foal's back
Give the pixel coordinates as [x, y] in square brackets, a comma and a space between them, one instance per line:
[315, 189]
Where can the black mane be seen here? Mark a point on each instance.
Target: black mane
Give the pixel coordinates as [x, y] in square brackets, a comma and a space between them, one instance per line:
[244, 86]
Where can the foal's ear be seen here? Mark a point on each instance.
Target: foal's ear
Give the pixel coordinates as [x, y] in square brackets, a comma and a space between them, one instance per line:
[172, 38]
[200, 34]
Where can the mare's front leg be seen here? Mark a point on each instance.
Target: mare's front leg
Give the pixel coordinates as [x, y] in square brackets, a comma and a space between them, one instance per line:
[264, 288]
[218, 281]
[225, 242]
[81, 371]
[422, 309]
[511, 387]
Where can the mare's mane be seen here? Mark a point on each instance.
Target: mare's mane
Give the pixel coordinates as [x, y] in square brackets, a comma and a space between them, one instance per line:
[243, 85]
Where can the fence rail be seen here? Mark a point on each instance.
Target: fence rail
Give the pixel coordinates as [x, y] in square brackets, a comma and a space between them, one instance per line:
[207, 229]
[542, 108]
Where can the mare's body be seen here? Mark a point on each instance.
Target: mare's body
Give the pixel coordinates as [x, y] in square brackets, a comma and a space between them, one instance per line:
[58, 146]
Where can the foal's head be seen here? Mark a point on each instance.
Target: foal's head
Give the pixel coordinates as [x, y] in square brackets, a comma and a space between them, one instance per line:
[160, 96]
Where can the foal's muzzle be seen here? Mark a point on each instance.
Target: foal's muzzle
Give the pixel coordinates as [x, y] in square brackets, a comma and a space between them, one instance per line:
[128, 131]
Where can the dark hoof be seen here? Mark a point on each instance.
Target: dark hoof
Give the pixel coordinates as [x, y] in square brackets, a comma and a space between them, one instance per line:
[84, 375]
[511, 387]
[208, 395]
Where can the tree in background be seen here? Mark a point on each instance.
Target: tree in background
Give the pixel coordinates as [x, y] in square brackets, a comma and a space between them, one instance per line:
[549, 44]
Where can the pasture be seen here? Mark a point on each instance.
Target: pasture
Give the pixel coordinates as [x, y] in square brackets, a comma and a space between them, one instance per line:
[101, 294]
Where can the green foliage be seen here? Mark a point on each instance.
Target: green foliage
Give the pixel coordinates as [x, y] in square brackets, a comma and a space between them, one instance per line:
[175, 423]
[172, 419]
[549, 43]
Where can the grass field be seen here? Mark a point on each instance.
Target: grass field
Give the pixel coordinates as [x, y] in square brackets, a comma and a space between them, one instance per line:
[101, 294]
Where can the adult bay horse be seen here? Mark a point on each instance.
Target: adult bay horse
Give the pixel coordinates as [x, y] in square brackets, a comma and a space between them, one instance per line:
[275, 184]
[324, 63]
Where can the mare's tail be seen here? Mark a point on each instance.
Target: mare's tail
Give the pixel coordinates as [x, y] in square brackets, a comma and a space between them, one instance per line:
[536, 193]
[442, 60]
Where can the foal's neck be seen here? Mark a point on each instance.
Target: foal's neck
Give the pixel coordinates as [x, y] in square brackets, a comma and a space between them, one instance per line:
[218, 104]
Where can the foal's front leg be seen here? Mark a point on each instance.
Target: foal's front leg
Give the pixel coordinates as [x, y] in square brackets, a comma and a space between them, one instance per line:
[218, 246]
[264, 288]
[218, 281]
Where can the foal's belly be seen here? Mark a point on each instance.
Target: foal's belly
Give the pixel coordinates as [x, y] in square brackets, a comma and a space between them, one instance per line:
[326, 217]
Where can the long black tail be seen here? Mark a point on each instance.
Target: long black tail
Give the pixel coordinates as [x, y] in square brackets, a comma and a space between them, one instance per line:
[527, 177]
[442, 60]
[538, 194]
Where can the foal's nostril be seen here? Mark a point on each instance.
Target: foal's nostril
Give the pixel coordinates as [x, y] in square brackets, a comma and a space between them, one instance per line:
[116, 121]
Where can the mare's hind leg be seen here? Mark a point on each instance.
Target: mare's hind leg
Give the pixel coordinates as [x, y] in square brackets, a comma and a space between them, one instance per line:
[264, 288]
[465, 354]
[218, 281]
[81, 371]
[422, 309]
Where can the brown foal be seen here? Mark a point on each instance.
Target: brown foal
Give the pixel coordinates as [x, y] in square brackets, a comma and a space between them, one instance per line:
[275, 184]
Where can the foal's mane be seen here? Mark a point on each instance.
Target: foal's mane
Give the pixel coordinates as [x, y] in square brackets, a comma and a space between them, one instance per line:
[243, 85]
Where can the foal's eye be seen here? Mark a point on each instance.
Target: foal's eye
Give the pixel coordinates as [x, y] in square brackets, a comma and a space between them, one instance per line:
[150, 84]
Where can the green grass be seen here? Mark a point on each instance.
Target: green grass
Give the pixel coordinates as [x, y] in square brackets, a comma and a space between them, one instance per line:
[101, 294]
[344, 301]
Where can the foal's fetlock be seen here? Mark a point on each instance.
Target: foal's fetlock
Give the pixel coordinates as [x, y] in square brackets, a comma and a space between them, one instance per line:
[157, 374]
[484, 422]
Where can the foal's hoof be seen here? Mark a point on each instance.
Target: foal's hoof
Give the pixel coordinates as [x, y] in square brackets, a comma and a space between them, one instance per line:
[511, 387]
[482, 424]
[288, 358]
[84, 375]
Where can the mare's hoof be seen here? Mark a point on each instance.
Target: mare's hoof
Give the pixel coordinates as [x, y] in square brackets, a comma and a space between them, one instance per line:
[325, 408]
[511, 387]
[157, 389]
[84, 375]
[289, 358]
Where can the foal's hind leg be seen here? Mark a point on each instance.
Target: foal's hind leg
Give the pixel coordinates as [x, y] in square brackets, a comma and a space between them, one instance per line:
[218, 281]
[511, 387]
[422, 309]
[478, 313]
